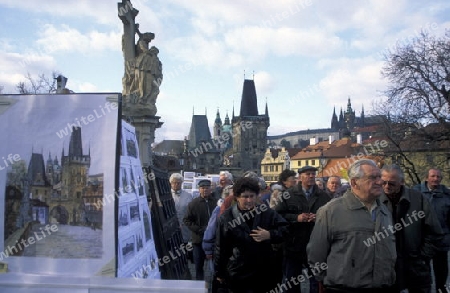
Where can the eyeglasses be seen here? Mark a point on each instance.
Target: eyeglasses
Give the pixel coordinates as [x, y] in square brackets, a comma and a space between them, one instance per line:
[390, 183]
[372, 177]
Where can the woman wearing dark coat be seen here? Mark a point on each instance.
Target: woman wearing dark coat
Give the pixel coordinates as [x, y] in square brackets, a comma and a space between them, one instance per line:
[244, 258]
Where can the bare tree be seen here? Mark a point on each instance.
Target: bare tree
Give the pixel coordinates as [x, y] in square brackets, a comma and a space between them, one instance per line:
[40, 85]
[418, 101]
[419, 77]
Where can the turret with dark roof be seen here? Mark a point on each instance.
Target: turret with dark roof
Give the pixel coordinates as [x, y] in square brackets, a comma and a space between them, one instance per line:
[76, 146]
[36, 171]
[249, 104]
[199, 131]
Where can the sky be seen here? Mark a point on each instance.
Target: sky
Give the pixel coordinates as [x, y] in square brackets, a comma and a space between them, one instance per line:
[305, 56]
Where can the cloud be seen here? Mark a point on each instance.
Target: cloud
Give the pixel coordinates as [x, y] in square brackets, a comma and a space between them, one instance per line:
[82, 87]
[15, 66]
[360, 79]
[66, 39]
[98, 10]
[264, 83]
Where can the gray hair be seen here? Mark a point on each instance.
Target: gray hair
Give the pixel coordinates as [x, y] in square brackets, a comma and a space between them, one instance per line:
[227, 174]
[176, 176]
[394, 168]
[354, 171]
[334, 176]
[261, 182]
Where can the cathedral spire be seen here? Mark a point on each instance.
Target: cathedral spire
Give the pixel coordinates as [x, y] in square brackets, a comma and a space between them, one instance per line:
[334, 120]
[227, 119]
[349, 106]
[232, 115]
[267, 109]
[218, 121]
[362, 116]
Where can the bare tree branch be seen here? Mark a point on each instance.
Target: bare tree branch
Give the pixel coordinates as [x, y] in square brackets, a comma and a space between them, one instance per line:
[418, 101]
[40, 85]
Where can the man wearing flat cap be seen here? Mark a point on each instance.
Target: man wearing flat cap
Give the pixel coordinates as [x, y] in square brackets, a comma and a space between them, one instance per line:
[198, 213]
[299, 209]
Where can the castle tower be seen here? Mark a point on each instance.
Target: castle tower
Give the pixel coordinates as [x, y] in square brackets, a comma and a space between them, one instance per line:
[249, 131]
[39, 184]
[74, 176]
[204, 153]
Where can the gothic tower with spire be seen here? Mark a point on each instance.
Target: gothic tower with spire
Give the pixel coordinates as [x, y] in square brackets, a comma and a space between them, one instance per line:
[249, 131]
[75, 172]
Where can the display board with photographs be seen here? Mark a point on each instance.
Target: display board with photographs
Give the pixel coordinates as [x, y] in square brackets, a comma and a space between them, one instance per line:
[57, 183]
[136, 254]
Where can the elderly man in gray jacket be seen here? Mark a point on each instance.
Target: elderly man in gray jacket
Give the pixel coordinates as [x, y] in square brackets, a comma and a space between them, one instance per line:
[352, 237]
[181, 199]
[418, 234]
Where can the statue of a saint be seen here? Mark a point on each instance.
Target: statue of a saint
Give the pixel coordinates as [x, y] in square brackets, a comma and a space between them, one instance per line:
[147, 73]
[143, 76]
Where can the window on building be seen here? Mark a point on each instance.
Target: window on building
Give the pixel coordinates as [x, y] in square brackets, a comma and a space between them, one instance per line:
[299, 163]
[266, 168]
[313, 162]
[307, 163]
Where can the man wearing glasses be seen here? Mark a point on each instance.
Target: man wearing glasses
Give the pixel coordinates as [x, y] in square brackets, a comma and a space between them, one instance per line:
[348, 236]
[415, 237]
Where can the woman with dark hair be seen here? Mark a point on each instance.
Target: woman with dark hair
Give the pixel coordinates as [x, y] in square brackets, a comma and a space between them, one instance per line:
[243, 255]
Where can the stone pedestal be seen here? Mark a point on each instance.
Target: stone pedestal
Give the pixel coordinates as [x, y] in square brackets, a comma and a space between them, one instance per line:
[145, 126]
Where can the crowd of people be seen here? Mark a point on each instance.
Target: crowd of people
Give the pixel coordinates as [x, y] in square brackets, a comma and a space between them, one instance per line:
[370, 234]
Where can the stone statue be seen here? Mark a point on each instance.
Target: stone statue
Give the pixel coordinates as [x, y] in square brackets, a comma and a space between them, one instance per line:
[147, 72]
[143, 69]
